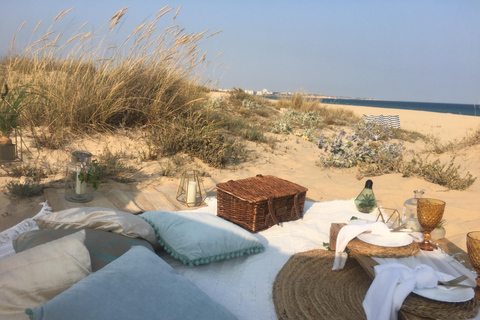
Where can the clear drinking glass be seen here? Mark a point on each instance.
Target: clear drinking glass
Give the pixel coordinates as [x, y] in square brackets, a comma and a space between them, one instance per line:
[409, 217]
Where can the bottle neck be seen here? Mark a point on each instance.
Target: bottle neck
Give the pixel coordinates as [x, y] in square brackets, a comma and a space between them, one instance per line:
[418, 194]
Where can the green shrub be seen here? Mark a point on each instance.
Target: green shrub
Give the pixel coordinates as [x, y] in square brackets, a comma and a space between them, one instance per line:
[306, 123]
[446, 174]
[253, 134]
[33, 171]
[369, 143]
[330, 115]
[250, 105]
[25, 189]
[236, 96]
[282, 127]
[214, 103]
[114, 167]
[406, 135]
[197, 137]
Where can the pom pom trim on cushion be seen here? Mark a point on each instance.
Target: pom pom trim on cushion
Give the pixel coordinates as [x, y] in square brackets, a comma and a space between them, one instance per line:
[204, 260]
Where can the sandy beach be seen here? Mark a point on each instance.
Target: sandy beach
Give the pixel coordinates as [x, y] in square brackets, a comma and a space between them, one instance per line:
[295, 159]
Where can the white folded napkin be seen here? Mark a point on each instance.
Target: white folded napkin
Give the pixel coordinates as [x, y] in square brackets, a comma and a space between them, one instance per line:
[392, 284]
[349, 232]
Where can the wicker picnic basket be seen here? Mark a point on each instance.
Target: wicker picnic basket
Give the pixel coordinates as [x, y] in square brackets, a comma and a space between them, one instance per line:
[260, 202]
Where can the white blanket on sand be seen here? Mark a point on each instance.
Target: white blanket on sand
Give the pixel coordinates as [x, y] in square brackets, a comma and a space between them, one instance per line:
[244, 284]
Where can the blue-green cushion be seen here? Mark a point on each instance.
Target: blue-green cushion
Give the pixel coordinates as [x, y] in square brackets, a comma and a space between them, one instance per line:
[197, 238]
[103, 246]
[138, 285]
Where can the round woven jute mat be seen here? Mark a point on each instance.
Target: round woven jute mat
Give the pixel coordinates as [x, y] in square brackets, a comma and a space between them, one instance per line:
[307, 288]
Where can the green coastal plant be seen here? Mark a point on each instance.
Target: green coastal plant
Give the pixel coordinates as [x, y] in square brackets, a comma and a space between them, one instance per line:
[11, 104]
[30, 170]
[369, 148]
[442, 224]
[368, 143]
[25, 189]
[444, 174]
[111, 165]
[306, 123]
[250, 105]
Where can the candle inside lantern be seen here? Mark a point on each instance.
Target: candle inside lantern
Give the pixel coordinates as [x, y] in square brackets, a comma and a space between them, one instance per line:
[81, 187]
[191, 192]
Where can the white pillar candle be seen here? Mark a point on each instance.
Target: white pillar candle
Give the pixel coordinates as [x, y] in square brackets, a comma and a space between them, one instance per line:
[191, 191]
[81, 187]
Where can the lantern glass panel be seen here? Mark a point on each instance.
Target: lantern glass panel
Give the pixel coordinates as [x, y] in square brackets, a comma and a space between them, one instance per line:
[191, 191]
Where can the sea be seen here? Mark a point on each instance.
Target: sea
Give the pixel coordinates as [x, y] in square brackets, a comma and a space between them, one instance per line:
[453, 108]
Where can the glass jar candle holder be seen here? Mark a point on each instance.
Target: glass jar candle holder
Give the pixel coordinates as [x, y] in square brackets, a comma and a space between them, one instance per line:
[77, 190]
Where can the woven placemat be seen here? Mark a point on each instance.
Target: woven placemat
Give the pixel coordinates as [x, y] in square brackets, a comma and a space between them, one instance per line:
[307, 288]
[359, 247]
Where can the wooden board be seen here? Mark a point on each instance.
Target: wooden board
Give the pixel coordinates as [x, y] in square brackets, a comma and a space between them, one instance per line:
[133, 201]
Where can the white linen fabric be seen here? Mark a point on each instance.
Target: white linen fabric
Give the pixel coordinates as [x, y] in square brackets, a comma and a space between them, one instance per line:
[349, 232]
[11, 234]
[436, 259]
[392, 284]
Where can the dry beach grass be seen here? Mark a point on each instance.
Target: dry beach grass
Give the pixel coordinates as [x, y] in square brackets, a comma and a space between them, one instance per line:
[140, 109]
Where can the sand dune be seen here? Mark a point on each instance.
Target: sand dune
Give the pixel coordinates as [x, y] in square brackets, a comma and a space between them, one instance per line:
[294, 159]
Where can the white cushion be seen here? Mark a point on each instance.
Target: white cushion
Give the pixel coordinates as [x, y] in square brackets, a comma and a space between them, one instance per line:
[98, 218]
[34, 276]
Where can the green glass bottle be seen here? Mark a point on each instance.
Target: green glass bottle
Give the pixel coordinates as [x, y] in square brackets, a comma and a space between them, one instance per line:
[365, 202]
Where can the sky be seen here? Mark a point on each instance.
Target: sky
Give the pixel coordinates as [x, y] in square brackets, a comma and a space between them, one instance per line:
[418, 50]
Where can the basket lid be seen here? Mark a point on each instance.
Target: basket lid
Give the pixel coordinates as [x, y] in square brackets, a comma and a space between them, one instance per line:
[260, 188]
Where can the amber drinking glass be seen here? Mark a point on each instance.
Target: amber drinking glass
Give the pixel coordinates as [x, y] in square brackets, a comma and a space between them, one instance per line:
[473, 249]
[430, 213]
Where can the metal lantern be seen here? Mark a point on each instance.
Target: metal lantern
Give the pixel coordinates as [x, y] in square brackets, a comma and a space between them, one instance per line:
[191, 190]
[77, 190]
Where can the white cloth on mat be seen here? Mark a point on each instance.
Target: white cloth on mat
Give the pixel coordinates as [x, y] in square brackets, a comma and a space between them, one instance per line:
[9, 235]
[349, 232]
[392, 284]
